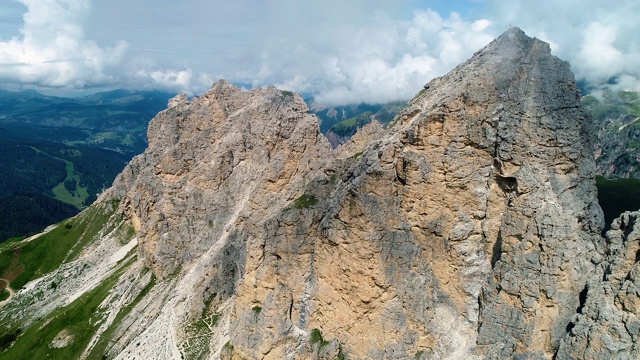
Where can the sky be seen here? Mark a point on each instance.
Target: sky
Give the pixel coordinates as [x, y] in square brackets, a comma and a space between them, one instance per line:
[340, 51]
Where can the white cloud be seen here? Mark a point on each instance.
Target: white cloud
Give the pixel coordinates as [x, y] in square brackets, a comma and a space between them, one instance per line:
[382, 60]
[52, 50]
[361, 50]
[185, 79]
[599, 38]
[341, 52]
[598, 53]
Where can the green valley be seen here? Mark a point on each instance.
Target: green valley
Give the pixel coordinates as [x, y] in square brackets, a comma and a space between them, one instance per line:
[58, 154]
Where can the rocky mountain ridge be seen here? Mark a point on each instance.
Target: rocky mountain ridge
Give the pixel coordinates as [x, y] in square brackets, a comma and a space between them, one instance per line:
[469, 228]
[615, 115]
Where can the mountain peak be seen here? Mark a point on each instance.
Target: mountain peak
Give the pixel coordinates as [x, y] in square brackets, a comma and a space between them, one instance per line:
[504, 65]
[514, 34]
[473, 217]
[496, 146]
[516, 38]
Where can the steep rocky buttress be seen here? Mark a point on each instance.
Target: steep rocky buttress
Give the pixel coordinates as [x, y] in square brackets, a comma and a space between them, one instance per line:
[468, 228]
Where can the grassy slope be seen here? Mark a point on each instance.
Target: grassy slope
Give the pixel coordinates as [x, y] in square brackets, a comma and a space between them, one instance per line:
[76, 198]
[612, 105]
[80, 320]
[23, 262]
[349, 126]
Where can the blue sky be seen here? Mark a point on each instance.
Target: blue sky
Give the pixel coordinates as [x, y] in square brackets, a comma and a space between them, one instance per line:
[342, 51]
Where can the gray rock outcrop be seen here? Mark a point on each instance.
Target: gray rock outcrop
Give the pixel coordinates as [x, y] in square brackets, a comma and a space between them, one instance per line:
[468, 228]
[607, 325]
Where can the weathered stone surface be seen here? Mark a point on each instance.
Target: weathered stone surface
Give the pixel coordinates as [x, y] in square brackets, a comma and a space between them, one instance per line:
[607, 323]
[217, 169]
[228, 150]
[469, 228]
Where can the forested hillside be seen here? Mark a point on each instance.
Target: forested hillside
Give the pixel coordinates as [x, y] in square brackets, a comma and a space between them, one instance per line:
[58, 154]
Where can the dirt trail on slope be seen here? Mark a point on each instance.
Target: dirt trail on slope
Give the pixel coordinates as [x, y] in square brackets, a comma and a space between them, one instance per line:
[4, 284]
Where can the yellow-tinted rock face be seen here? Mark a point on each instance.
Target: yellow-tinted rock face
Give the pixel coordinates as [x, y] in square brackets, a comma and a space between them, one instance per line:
[466, 229]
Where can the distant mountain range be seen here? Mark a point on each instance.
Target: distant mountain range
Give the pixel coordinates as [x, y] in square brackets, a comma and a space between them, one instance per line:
[115, 120]
[339, 123]
[616, 119]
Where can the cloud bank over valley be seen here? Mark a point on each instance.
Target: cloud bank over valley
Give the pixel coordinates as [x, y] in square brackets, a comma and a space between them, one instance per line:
[341, 52]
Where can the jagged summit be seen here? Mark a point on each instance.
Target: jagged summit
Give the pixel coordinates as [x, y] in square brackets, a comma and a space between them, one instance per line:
[467, 229]
[510, 48]
[217, 151]
[486, 172]
[515, 38]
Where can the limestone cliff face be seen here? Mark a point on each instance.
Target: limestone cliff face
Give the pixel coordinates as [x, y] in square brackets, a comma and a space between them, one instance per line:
[608, 323]
[228, 157]
[469, 228]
